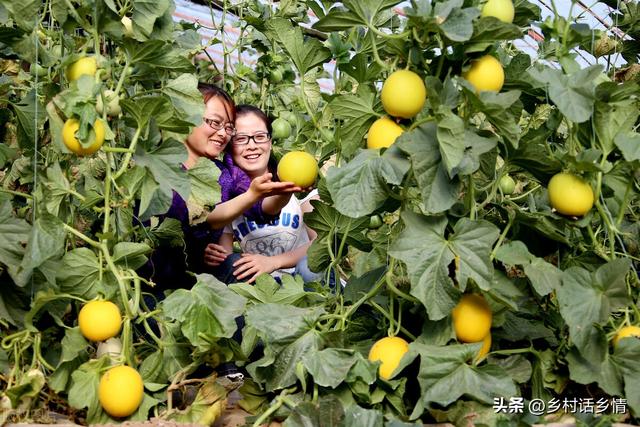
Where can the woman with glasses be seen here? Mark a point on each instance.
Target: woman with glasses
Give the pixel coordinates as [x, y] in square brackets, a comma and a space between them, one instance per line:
[274, 247]
[167, 266]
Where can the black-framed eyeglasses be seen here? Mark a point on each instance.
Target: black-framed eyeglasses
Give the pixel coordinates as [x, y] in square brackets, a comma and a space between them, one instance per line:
[258, 138]
[216, 125]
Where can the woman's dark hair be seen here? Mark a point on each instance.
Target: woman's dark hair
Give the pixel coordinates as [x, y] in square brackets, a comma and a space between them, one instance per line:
[209, 91]
[245, 109]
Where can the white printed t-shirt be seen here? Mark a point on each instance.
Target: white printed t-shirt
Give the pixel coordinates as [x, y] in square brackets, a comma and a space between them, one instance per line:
[282, 235]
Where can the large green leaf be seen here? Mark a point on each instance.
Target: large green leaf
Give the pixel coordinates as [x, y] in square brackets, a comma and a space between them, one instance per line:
[25, 13]
[289, 334]
[80, 275]
[589, 298]
[185, 98]
[15, 234]
[359, 187]
[328, 412]
[428, 253]
[163, 163]
[330, 366]
[544, 277]
[357, 111]
[458, 24]
[55, 188]
[305, 53]
[145, 14]
[439, 192]
[46, 241]
[158, 54]
[266, 290]
[130, 255]
[445, 376]
[367, 12]
[206, 312]
[496, 106]
[614, 119]
[572, 93]
[205, 190]
[84, 388]
[629, 145]
[30, 115]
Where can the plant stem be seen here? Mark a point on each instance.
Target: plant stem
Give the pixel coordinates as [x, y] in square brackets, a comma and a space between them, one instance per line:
[386, 314]
[116, 149]
[81, 236]
[127, 157]
[17, 193]
[272, 409]
[503, 235]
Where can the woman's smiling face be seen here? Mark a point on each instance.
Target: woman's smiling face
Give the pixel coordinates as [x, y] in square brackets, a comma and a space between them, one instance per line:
[206, 141]
[252, 157]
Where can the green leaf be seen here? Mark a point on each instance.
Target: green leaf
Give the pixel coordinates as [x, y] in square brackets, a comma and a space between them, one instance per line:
[158, 54]
[615, 120]
[55, 189]
[73, 345]
[130, 255]
[25, 13]
[495, 106]
[450, 134]
[337, 20]
[311, 89]
[267, 290]
[355, 416]
[572, 93]
[626, 357]
[458, 26]
[84, 386]
[145, 14]
[185, 98]
[305, 54]
[324, 219]
[357, 111]
[439, 193]
[79, 275]
[30, 117]
[15, 235]
[544, 277]
[367, 12]
[517, 366]
[206, 312]
[289, 334]
[205, 190]
[589, 298]
[488, 30]
[629, 145]
[359, 187]
[163, 162]
[328, 412]
[423, 247]
[445, 376]
[330, 366]
[604, 372]
[144, 108]
[46, 241]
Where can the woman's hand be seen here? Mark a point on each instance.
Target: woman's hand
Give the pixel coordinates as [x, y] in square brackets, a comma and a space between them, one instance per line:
[214, 254]
[262, 186]
[252, 265]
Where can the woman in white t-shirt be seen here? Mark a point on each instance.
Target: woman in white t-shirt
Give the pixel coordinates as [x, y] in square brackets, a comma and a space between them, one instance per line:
[281, 245]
